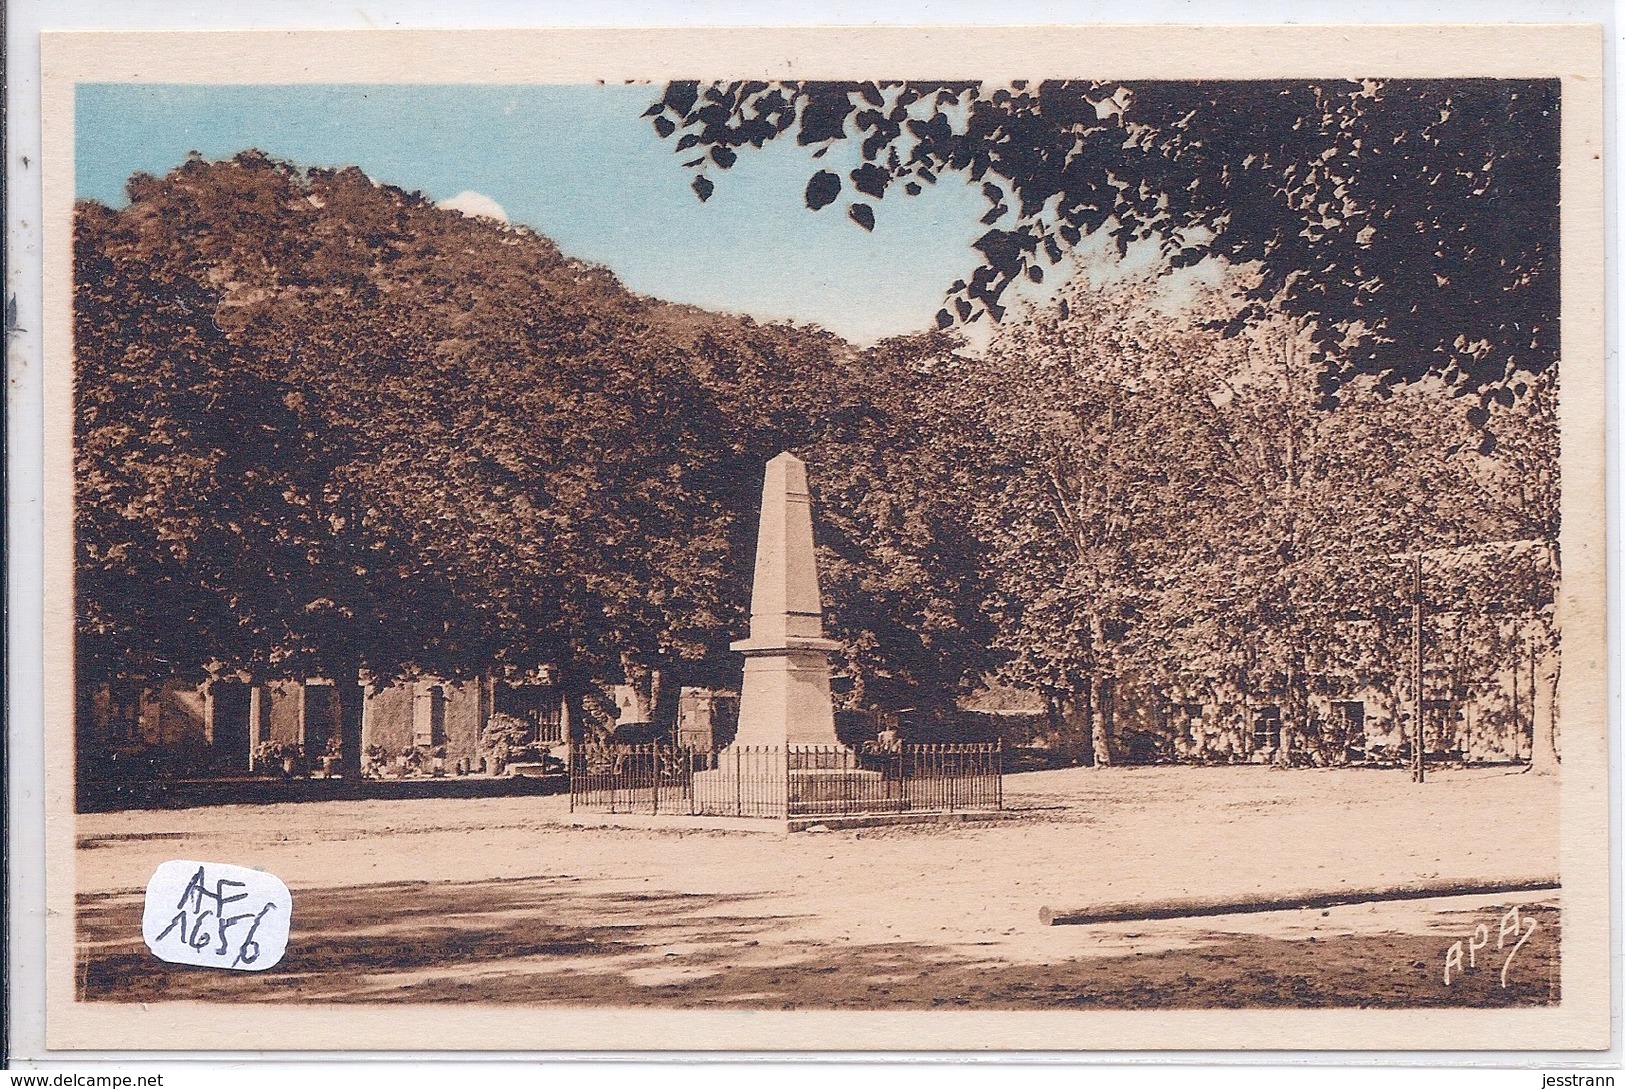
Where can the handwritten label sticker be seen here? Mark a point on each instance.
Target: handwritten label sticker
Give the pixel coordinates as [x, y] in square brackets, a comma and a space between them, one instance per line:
[215, 915]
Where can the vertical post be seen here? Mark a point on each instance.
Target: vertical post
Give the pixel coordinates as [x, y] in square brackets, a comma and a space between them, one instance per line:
[1534, 704]
[208, 710]
[739, 782]
[566, 727]
[998, 774]
[1418, 762]
[257, 711]
[688, 778]
[905, 788]
[1516, 731]
[1467, 745]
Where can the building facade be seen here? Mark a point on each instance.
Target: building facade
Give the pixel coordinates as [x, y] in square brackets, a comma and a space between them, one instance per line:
[227, 725]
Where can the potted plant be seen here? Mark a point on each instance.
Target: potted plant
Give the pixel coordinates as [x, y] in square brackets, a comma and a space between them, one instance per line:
[439, 755]
[376, 756]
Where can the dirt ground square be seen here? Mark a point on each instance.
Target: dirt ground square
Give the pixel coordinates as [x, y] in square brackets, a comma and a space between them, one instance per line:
[515, 900]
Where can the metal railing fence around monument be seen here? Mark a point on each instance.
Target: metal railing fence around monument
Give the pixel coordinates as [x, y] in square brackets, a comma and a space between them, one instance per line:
[783, 782]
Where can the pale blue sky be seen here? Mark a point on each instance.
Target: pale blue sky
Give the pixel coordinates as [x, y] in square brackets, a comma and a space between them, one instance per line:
[580, 165]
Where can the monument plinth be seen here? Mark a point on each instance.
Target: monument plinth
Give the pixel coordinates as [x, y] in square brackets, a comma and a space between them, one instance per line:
[785, 698]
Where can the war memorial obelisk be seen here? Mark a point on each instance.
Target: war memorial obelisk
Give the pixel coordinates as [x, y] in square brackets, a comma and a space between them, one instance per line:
[786, 761]
[785, 698]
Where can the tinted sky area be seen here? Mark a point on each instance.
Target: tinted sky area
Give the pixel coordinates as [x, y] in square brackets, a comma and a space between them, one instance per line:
[580, 165]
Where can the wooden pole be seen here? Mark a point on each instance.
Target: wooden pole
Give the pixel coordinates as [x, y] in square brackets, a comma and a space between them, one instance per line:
[1189, 907]
[258, 711]
[1516, 731]
[1418, 762]
[998, 773]
[566, 726]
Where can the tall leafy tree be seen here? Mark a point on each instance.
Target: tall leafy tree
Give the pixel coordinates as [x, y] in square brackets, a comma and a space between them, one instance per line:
[1184, 511]
[198, 477]
[906, 570]
[357, 433]
[1080, 401]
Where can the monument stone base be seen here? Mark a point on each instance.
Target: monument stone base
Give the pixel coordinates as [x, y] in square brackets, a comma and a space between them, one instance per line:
[761, 784]
[838, 790]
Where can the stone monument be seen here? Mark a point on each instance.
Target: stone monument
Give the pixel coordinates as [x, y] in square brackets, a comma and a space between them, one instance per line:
[785, 697]
[786, 760]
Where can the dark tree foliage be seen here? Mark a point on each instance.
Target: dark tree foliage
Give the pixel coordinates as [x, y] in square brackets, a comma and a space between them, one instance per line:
[895, 473]
[220, 465]
[1413, 223]
[323, 426]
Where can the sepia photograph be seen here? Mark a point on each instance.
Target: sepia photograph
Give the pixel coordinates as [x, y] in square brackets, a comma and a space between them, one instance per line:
[715, 539]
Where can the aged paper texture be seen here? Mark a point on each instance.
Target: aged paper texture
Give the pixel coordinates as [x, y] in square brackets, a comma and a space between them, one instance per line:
[1031, 539]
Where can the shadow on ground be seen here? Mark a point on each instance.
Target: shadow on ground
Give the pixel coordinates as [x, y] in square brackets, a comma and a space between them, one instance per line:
[551, 941]
[138, 791]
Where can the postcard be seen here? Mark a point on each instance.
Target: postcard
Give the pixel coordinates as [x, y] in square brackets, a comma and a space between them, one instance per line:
[895, 539]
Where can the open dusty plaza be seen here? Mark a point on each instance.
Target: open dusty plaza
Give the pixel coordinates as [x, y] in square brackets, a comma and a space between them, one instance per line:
[516, 900]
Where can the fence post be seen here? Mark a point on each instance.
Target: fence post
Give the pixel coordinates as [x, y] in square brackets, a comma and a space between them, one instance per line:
[688, 778]
[905, 785]
[998, 775]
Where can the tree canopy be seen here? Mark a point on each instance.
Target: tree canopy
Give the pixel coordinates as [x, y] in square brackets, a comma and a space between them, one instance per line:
[1412, 225]
[325, 426]
[1177, 510]
[338, 427]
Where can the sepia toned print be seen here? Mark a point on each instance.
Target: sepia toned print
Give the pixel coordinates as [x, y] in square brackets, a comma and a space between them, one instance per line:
[864, 546]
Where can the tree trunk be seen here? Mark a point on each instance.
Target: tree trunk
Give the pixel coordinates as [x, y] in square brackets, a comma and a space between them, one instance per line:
[572, 722]
[1100, 733]
[597, 711]
[1543, 757]
[1283, 750]
[640, 679]
[1292, 712]
[352, 701]
[1073, 723]
[1099, 685]
[664, 691]
[1052, 713]
[657, 687]
[654, 691]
